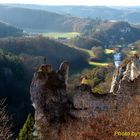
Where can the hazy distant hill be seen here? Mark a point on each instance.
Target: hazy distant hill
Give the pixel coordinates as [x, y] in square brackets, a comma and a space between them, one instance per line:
[133, 17]
[130, 14]
[79, 11]
[37, 18]
[40, 20]
[103, 12]
[7, 30]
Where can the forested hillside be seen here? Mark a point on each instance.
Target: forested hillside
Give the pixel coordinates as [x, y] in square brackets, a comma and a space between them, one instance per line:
[19, 57]
[107, 33]
[119, 32]
[38, 47]
[14, 87]
[85, 42]
[7, 30]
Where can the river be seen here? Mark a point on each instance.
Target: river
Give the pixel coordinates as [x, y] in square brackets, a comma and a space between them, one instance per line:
[117, 59]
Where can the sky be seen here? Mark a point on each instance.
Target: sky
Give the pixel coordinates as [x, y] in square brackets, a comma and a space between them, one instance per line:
[77, 2]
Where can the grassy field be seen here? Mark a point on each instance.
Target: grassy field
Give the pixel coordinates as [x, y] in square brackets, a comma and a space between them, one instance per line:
[109, 51]
[91, 54]
[57, 35]
[97, 64]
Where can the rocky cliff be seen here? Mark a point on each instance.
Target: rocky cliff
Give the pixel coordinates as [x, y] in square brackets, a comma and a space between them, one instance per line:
[48, 92]
[62, 114]
[126, 78]
[55, 106]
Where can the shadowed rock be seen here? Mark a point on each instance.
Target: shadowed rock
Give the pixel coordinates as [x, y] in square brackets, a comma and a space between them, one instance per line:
[48, 95]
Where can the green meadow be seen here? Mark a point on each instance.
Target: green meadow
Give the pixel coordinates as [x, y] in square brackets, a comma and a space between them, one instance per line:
[91, 54]
[57, 35]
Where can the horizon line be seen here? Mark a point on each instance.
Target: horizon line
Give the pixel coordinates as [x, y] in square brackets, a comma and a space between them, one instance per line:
[1, 3]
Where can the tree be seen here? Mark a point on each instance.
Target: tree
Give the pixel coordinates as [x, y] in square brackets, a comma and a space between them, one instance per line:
[5, 122]
[26, 133]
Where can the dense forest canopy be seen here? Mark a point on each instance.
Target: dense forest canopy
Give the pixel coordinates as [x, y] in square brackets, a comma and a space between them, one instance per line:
[55, 52]
[14, 84]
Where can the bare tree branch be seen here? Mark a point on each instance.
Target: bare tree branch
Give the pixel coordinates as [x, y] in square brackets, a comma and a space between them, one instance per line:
[5, 124]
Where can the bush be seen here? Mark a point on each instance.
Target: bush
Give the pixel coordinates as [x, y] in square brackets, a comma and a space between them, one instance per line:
[98, 90]
[26, 133]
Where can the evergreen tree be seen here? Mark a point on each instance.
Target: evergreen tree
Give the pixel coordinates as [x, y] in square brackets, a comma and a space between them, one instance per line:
[26, 133]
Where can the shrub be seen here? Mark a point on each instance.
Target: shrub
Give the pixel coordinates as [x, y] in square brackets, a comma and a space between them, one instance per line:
[26, 133]
[98, 90]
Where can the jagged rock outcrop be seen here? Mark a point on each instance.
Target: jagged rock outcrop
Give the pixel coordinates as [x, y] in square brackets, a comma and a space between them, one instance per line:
[48, 94]
[55, 106]
[64, 115]
[126, 78]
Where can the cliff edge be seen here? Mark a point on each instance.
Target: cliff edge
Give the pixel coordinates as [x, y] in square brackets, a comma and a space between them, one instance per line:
[126, 78]
[74, 115]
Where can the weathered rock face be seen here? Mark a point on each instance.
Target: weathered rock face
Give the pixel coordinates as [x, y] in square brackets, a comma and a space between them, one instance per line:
[85, 105]
[58, 111]
[48, 94]
[126, 78]
[54, 106]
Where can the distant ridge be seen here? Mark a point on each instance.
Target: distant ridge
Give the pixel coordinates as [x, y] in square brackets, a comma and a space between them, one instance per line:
[38, 19]
[103, 12]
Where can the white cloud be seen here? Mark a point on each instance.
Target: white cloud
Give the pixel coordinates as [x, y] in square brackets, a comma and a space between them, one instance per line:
[77, 2]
